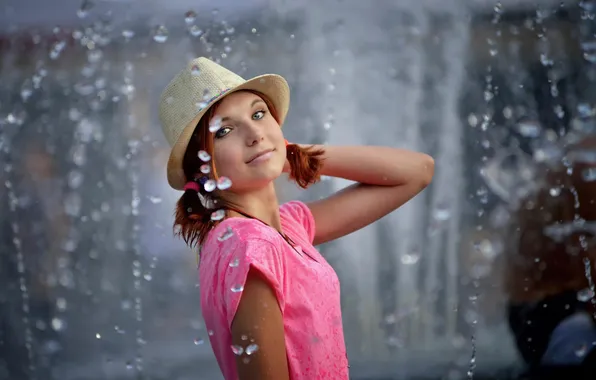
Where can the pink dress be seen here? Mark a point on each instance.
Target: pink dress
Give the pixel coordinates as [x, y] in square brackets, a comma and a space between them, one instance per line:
[307, 291]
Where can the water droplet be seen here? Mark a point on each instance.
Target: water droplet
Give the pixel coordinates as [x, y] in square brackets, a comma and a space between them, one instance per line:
[195, 70]
[581, 351]
[234, 263]
[84, 9]
[215, 124]
[58, 324]
[442, 213]
[589, 48]
[75, 179]
[237, 350]
[237, 288]
[160, 34]
[585, 295]
[204, 156]
[224, 183]
[589, 174]
[251, 348]
[154, 199]
[228, 233]
[195, 31]
[205, 169]
[210, 332]
[410, 258]
[98, 336]
[210, 185]
[129, 365]
[61, 304]
[529, 128]
[554, 191]
[198, 341]
[218, 215]
[128, 34]
[190, 17]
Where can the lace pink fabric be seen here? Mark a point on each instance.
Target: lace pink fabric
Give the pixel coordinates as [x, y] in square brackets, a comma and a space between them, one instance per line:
[307, 291]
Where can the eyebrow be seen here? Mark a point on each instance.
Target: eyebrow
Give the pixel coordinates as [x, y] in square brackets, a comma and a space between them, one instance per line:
[259, 100]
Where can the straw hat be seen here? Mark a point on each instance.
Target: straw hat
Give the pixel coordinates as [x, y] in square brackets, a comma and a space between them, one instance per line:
[193, 91]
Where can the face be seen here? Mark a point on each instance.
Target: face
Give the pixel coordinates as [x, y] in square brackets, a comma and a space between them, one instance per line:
[249, 146]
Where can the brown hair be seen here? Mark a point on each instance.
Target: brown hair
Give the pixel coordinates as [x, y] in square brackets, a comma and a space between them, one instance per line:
[192, 219]
[539, 264]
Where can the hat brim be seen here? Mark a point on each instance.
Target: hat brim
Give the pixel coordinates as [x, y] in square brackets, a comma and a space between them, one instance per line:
[272, 86]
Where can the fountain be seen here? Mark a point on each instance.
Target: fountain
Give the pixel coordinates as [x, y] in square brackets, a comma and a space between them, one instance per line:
[98, 288]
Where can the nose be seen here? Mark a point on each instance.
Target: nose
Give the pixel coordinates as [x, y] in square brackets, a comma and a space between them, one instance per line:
[254, 133]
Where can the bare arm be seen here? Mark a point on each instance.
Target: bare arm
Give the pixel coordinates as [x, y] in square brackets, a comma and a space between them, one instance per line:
[387, 178]
[258, 320]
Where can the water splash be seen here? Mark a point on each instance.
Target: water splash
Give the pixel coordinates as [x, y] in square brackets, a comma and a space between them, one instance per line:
[18, 249]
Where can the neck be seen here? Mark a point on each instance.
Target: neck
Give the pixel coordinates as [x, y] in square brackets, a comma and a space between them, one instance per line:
[261, 204]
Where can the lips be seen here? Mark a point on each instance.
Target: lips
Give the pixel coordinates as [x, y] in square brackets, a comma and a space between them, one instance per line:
[260, 154]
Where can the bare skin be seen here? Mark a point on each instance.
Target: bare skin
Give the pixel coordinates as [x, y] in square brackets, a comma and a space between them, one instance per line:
[259, 319]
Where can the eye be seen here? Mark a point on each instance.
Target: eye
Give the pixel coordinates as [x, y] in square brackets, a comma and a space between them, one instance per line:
[222, 132]
[258, 115]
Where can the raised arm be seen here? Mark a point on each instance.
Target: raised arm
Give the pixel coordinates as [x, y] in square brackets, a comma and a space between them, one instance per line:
[259, 320]
[386, 179]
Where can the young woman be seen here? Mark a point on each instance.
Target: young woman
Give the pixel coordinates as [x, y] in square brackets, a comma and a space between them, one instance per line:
[270, 301]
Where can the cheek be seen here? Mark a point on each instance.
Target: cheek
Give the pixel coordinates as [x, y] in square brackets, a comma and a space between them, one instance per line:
[227, 162]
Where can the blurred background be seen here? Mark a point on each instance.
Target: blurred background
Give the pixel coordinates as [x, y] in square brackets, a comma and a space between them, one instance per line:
[95, 286]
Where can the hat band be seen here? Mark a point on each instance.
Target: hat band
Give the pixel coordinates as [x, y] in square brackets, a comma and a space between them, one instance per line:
[207, 102]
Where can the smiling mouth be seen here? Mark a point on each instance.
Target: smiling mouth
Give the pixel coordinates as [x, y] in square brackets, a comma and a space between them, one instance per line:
[260, 155]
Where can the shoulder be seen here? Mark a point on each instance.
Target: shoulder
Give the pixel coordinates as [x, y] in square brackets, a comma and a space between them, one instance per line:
[297, 215]
[236, 238]
[296, 209]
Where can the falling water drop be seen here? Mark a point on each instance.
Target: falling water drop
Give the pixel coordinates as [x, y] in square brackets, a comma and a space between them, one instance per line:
[585, 295]
[589, 49]
[58, 324]
[237, 288]
[234, 263]
[198, 341]
[251, 349]
[237, 350]
[442, 213]
[410, 258]
[218, 215]
[128, 34]
[528, 128]
[205, 169]
[228, 233]
[210, 185]
[84, 9]
[215, 124]
[204, 156]
[190, 17]
[160, 34]
[224, 183]
[195, 31]
[589, 174]
[195, 70]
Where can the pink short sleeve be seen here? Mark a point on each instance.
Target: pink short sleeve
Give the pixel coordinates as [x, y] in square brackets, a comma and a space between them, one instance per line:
[242, 255]
[299, 213]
